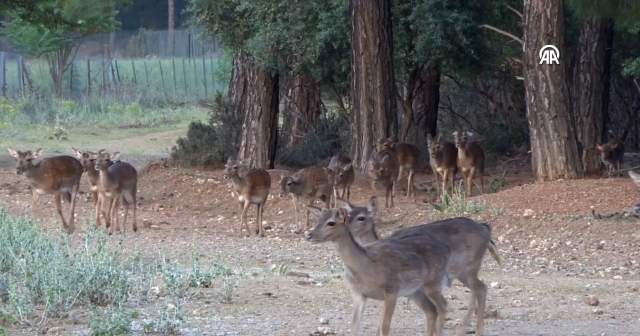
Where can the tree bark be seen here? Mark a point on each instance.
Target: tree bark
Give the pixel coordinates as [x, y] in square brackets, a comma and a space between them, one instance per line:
[302, 107]
[554, 144]
[238, 85]
[172, 24]
[428, 99]
[260, 125]
[591, 88]
[373, 82]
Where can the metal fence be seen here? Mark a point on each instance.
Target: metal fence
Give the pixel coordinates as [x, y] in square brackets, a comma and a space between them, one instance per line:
[178, 65]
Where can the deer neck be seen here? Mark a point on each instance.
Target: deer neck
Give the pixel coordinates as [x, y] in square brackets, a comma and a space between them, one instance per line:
[352, 254]
[93, 174]
[105, 177]
[297, 187]
[368, 237]
[237, 181]
[462, 151]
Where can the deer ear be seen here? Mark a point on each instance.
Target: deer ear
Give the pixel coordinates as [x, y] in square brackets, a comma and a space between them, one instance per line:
[347, 166]
[384, 159]
[373, 205]
[315, 210]
[599, 147]
[115, 155]
[429, 137]
[439, 137]
[455, 133]
[342, 204]
[469, 134]
[13, 152]
[77, 152]
[37, 153]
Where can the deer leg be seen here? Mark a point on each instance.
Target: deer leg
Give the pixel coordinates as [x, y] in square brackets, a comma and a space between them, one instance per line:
[400, 174]
[94, 197]
[113, 211]
[126, 211]
[389, 307]
[429, 310]
[259, 228]
[294, 198]
[74, 194]
[243, 217]
[98, 207]
[410, 191]
[481, 184]
[348, 192]
[470, 175]
[306, 219]
[480, 290]
[445, 179]
[453, 183]
[58, 200]
[34, 201]
[359, 303]
[434, 294]
[135, 208]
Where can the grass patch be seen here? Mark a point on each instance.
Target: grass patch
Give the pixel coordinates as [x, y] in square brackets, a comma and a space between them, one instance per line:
[459, 205]
[45, 276]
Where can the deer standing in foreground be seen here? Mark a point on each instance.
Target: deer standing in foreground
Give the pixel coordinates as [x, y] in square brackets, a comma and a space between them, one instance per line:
[467, 239]
[470, 160]
[407, 155]
[118, 183]
[612, 153]
[313, 182]
[58, 175]
[342, 167]
[413, 267]
[443, 158]
[383, 168]
[251, 187]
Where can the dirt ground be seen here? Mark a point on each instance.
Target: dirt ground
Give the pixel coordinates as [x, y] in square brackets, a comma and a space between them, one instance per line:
[553, 260]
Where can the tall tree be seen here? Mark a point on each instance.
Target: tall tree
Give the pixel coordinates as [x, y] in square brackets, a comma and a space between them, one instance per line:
[554, 144]
[254, 88]
[373, 80]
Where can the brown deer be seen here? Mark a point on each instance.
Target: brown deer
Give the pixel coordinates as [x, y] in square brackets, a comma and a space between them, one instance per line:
[251, 187]
[443, 158]
[407, 155]
[413, 267]
[612, 153]
[342, 167]
[383, 168]
[58, 175]
[118, 183]
[93, 176]
[470, 160]
[467, 239]
[312, 182]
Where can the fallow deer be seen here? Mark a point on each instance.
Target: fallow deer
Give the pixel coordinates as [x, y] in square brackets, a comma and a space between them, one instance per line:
[58, 175]
[407, 155]
[443, 158]
[312, 182]
[251, 187]
[342, 167]
[383, 168]
[470, 160]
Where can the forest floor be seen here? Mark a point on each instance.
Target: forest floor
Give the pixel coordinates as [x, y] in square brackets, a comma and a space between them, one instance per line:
[556, 258]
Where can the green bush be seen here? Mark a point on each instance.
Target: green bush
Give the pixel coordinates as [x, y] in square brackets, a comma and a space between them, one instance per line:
[209, 145]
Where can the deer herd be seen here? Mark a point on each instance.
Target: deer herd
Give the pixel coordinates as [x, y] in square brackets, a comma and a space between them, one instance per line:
[417, 262]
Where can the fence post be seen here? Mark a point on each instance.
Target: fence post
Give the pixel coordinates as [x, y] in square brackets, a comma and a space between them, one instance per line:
[184, 75]
[20, 78]
[88, 77]
[162, 78]
[3, 63]
[195, 77]
[175, 83]
[117, 71]
[135, 77]
[146, 72]
[204, 75]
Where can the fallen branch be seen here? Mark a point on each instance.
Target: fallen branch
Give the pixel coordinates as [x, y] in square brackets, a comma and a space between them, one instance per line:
[621, 171]
[615, 215]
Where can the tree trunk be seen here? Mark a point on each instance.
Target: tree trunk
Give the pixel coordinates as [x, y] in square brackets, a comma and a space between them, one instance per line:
[428, 99]
[302, 107]
[238, 85]
[260, 126]
[554, 145]
[591, 88]
[373, 83]
[172, 24]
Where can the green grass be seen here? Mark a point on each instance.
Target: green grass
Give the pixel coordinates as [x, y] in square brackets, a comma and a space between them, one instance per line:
[176, 80]
[45, 276]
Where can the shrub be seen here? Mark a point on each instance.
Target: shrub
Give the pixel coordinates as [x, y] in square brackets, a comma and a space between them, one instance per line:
[209, 145]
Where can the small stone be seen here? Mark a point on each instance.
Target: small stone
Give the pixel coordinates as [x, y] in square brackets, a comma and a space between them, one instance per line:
[495, 285]
[528, 213]
[592, 301]
[491, 313]
[54, 330]
[597, 311]
[599, 246]
[533, 244]
[323, 320]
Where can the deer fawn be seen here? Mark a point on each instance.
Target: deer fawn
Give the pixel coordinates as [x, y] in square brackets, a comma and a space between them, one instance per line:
[383, 168]
[57, 175]
[407, 155]
[443, 158]
[118, 182]
[412, 267]
[467, 239]
[313, 182]
[342, 167]
[612, 153]
[251, 187]
[470, 160]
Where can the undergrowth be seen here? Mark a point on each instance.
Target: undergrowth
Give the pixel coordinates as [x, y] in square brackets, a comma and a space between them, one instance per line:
[459, 205]
[45, 276]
